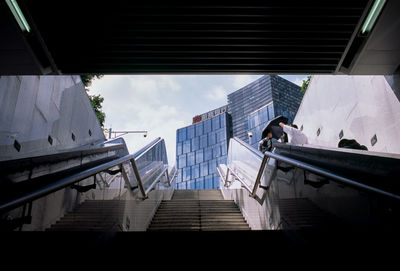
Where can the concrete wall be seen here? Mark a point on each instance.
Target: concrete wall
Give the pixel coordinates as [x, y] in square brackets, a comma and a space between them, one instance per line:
[361, 106]
[32, 108]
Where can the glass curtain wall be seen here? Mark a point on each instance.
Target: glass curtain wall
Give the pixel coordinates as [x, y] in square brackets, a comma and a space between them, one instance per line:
[199, 149]
[256, 122]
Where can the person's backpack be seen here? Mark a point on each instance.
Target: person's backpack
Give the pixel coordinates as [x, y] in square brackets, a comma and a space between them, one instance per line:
[266, 145]
[351, 144]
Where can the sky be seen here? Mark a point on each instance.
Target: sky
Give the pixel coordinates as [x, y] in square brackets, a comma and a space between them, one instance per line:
[161, 104]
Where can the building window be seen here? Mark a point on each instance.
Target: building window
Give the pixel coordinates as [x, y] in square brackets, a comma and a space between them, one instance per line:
[190, 132]
[199, 183]
[216, 151]
[181, 185]
[195, 143]
[221, 135]
[203, 141]
[204, 169]
[191, 184]
[208, 182]
[271, 114]
[215, 182]
[208, 154]
[195, 171]
[190, 159]
[224, 148]
[186, 146]
[215, 123]
[180, 175]
[222, 119]
[187, 174]
[199, 156]
[199, 129]
[212, 138]
[207, 126]
[179, 148]
[182, 161]
[212, 166]
[182, 135]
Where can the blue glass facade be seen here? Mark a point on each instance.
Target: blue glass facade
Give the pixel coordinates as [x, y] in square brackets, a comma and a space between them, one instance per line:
[257, 120]
[246, 105]
[246, 100]
[202, 146]
[199, 149]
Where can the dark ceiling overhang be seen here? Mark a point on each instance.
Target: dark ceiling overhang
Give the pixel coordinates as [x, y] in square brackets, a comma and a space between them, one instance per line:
[148, 37]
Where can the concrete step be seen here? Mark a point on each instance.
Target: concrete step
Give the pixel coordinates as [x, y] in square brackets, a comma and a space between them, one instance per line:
[172, 212]
[84, 228]
[198, 228]
[204, 225]
[191, 210]
[84, 224]
[202, 218]
[91, 215]
[197, 194]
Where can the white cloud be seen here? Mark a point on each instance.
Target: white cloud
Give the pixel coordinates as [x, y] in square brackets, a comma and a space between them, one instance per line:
[218, 93]
[161, 104]
[168, 82]
[299, 81]
[240, 81]
[142, 103]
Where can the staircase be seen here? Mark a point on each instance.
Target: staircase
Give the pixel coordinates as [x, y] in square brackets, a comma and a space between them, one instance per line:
[92, 215]
[198, 210]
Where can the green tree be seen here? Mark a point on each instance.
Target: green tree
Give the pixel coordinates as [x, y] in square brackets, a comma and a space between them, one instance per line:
[95, 100]
[304, 86]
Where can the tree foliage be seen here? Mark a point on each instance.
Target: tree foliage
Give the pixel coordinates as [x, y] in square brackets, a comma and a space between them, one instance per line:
[95, 100]
[304, 86]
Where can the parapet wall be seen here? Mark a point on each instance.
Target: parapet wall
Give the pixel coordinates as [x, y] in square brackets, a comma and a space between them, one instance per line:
[42, 115]
[364, 108]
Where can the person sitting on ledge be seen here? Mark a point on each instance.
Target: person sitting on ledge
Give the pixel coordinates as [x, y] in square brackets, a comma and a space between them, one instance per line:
[295, 135]
[351, 144]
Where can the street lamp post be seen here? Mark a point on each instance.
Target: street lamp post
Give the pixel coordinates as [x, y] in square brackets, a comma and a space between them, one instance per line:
[121, 133]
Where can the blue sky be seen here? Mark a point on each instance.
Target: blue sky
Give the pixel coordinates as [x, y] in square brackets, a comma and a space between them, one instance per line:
[161, 104]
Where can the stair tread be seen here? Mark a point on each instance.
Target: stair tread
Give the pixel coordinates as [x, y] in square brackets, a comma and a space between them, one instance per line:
[191, 210]
[181, 213]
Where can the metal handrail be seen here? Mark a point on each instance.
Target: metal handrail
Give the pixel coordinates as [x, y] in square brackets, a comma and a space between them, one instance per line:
[314, 169]
[239, 179]
[146, 148]
[248, 147]
[156, 180]
[69, 180]
[329, 174]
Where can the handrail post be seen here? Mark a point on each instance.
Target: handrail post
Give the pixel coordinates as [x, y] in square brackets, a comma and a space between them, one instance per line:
[227, 176]
[259, 175]
[240, 179]
[125, 177]
[167, 175]
[139, 180]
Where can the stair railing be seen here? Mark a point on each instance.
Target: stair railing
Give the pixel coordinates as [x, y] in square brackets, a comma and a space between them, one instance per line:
[247, 165]
[154, 150]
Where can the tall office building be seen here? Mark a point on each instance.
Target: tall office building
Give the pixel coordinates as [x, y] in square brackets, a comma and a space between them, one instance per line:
[200, 147]
[252, 106]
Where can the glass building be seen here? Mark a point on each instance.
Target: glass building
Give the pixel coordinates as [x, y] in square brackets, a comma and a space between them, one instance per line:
[200, 147]
[256, 122]
[203, 145]
[253, 105]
